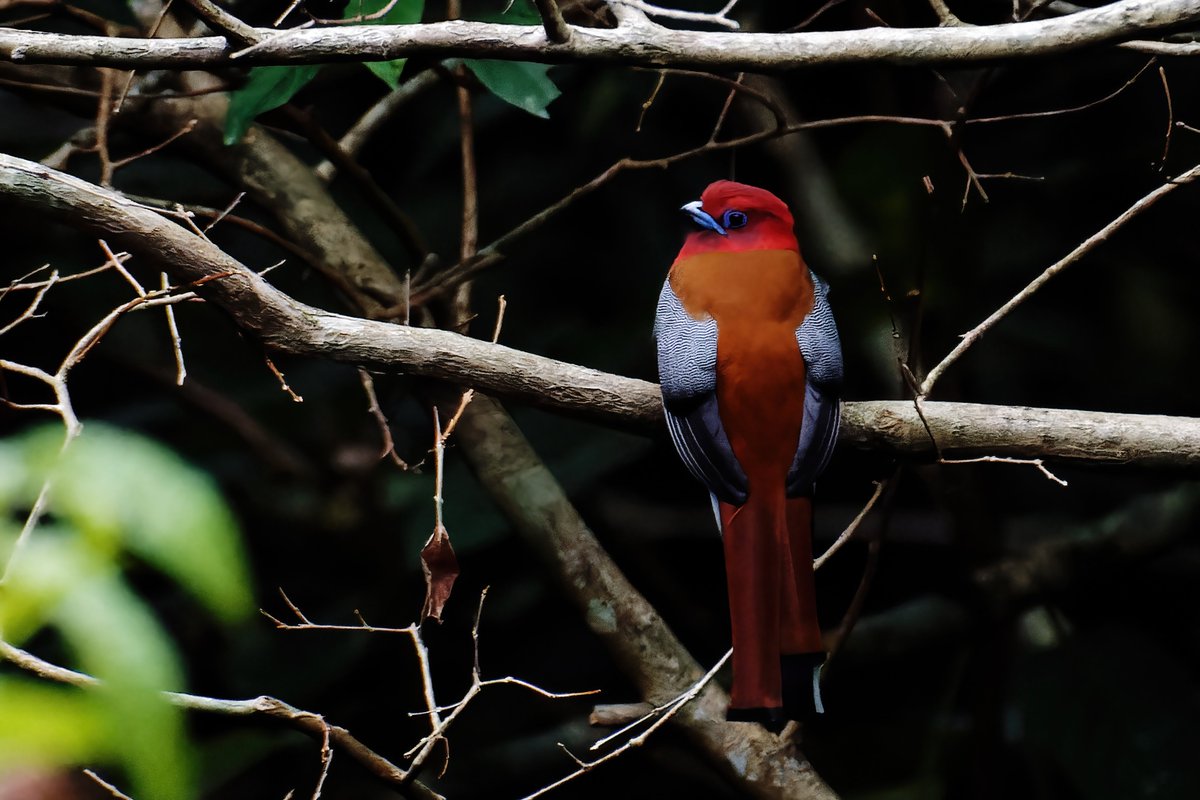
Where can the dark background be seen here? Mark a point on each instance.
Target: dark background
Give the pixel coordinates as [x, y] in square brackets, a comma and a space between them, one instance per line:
[1091, 693]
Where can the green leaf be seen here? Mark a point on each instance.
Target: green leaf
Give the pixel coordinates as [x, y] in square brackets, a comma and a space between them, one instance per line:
[404, 12]
[126, 492]
[115, 638]
[61, 579]
[523, 84]
[267, 88]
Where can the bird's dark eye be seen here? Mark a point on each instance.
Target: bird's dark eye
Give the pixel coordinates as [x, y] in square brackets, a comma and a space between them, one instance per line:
[734, 219]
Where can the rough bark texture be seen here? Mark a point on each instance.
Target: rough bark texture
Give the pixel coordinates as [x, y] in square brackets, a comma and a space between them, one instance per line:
[280, 322]
[647, 650]
[641, 43]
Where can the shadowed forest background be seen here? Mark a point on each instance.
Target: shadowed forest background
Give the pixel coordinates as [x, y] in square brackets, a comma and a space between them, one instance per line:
[947, 687]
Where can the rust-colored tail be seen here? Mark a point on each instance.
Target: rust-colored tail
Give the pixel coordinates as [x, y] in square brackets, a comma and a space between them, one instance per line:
[772, 606]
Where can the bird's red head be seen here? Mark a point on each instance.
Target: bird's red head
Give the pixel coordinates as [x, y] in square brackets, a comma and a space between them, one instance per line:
[734, 217]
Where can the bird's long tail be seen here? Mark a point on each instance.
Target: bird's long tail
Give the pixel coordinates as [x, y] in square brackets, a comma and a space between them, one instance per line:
[772, 603]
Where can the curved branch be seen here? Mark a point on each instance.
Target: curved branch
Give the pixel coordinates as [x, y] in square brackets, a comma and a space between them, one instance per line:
[892, 427]
[643, 43]
[306, 721]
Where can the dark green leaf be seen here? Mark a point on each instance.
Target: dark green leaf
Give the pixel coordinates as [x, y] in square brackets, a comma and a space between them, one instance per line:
[268, 87]
[525, 85]
[404, 12]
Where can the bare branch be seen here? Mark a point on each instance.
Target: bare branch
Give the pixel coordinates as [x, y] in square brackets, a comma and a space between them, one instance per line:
[852, 528]
[557, 30]
[388, 448]
[715, 18]
[369, 123]
[644, 44]
[108, 787]
[30, 311]
[1083, 249]
[666, 713]
[305, 721]
[963, 430]
[221, 21]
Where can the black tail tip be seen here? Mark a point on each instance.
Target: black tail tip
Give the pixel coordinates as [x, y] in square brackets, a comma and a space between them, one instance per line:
[801, 690]
[773, 719]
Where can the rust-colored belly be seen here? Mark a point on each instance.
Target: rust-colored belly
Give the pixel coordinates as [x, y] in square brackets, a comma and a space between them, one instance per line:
[758, 299]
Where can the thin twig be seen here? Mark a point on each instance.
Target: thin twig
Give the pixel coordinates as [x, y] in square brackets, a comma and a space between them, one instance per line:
[1162, 73]
[713, 18]
[637, 741]
[291, 7]
[116, 264]
[224, 23]
[112, 790]
[62, 405]
[326, 760]
[369, 123]
[388, 450]
[225, 212]
[283, 384]
[493, 253]
[306, 721]
[1036, 462]
[30, 311]
[1060, 111]
[1102, 235]
[176, 342]
[733, 91]
[162, 15]
[407, 230]
[852, 528]
[103, 115]
[811, 18]
[187, 128]
[649, 101]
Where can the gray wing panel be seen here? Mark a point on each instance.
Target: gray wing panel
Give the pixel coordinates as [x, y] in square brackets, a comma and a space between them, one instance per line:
[819, 341]
[818, 436]
[687, 371]
[821, 347]
[687, 350]
[700, 439]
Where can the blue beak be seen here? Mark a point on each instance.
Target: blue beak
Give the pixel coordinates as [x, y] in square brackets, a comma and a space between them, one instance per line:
[701, 217]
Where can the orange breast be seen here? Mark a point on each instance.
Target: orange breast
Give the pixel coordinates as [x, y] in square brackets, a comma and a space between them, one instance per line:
[758, 299]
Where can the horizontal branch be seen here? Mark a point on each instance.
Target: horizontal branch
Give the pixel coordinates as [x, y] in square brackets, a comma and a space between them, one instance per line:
[633, 42]
[287, 325]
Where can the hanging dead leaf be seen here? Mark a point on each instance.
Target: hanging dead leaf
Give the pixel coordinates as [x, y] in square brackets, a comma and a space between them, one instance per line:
[441, 568]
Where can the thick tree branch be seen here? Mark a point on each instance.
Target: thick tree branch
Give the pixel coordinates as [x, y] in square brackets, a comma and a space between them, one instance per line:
[644, 43]
[285, 324]
[648, 651]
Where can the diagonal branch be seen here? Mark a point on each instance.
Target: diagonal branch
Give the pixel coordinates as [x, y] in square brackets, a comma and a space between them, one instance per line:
[221, 21]
[1079, 252]
[557, 29]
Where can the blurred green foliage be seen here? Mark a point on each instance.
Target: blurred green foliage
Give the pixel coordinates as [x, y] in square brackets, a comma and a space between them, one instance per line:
[111, 498]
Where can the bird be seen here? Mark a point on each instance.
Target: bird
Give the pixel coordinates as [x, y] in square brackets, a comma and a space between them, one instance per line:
[750, 366]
